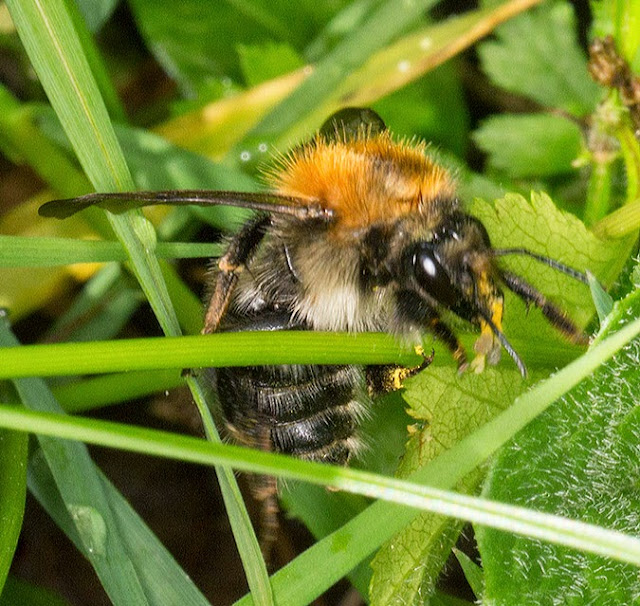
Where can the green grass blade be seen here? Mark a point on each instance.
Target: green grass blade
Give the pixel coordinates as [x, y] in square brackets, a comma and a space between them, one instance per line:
[164, 581]
[356, 539]
[20, 593]
[13, 486]
[203, 351]
[402, 493]
[24, 251]
[83, 494]
[47, 33]
[89, 394]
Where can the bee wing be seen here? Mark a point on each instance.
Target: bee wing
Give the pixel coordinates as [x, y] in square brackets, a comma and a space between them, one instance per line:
[122, 201]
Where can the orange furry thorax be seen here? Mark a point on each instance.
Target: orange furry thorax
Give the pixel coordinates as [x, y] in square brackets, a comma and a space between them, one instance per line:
[370, 180]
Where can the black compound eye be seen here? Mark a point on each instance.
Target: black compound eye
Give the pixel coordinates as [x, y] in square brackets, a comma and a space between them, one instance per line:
[432, 277]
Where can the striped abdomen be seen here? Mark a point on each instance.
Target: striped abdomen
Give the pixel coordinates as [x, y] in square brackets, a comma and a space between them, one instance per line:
[311, 412]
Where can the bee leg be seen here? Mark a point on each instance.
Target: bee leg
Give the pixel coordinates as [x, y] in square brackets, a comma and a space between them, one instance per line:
[390, 377]
[240, 250]
[442, 332]
[530, 295]
[265, 492]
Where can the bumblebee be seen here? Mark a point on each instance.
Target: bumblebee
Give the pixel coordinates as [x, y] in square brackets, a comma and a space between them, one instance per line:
[361, 232]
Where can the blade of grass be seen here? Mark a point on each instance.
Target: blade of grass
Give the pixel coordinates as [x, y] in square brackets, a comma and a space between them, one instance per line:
[387, 22]
[165, 582]
[408, 59]
[24, 251]
[13, 489]
[48, 35]
[82, 492]
[497, 515]
[230, 349]
[98, 68]
[89, 394]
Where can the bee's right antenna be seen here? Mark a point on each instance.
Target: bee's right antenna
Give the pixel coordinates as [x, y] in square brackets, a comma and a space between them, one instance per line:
[565, 269]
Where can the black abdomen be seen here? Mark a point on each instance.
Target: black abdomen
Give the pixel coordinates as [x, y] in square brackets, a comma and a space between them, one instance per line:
[312, 412]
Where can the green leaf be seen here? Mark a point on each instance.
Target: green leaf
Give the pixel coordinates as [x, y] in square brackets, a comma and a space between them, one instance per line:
[50, 39]
[195, 43]
[261, 62]
[303, 580]
[115, 388]
[447, 408]
[96, 12]
[13, 488]
[541, 227]
[20, 593]
[164, 581]
[385, 23]
[432, 108]
[204, 351]
[601, 298]
[537, 55]
[575, 460]
[535, 145]
[472, 572]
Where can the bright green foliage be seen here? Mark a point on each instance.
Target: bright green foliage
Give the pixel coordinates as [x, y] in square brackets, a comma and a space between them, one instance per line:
[266, 61]
[446, 407]
[531, 145]
[238, 43]
[579, 459]
[537, 56]
[541, 227]
[196, 42]
[450, 407]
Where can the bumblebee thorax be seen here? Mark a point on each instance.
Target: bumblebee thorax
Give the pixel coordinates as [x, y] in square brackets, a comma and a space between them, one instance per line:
[370, 180]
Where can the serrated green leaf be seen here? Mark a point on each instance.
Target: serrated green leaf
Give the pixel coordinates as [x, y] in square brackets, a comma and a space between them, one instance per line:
[451, 407]
[261, 62]
[535, 145]
[447, 408]
[574, 461]
[541, 227]
[537, 55]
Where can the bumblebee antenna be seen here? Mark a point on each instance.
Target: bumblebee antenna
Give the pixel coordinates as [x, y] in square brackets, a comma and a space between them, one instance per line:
[505, 343]
[565, 269]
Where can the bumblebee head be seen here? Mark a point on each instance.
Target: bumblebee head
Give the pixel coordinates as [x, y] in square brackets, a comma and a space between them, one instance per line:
[455, 269]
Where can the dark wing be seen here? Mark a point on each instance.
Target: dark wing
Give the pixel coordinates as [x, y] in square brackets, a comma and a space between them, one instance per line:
[123, 201]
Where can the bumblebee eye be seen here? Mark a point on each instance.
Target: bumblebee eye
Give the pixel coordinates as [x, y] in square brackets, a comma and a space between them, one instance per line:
[432, 277]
